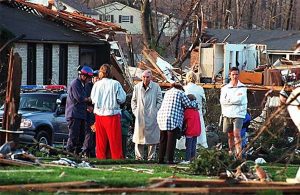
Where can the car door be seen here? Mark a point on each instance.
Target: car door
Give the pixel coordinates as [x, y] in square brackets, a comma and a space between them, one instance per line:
[61, 131]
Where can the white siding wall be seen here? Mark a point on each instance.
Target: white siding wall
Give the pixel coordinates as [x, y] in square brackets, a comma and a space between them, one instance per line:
[73, 62]
[117, 9]
[39, 64]
[55, 64]
[21, 49]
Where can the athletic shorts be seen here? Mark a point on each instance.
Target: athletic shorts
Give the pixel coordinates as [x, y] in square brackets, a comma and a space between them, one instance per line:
[229, 124]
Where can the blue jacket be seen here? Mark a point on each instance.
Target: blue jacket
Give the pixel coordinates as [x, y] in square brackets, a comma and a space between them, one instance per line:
[75, 106]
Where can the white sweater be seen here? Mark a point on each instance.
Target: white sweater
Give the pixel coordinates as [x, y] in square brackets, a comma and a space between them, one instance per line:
[107, 95]
[234, 100]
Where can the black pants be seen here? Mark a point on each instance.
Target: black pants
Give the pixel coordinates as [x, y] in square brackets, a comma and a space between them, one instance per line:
[89, 143]
[167, 145]
[76, 135]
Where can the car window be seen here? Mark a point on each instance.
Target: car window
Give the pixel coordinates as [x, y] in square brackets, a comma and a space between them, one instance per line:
[39, 102]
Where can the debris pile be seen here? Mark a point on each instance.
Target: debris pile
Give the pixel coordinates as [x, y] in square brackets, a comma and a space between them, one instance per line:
[161, 69]
[75, 20]
[10, 154]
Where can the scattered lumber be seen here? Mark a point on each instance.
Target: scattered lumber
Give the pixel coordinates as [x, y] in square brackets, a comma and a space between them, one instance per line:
[217, 182]
[16, 162]
[162, 67]
[57, 150]
[46, 186]
[161, 185]
[189, 190]
[120, 75]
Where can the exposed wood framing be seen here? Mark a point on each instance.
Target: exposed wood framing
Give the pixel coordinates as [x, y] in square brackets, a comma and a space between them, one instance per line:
[73, 20]
[152, 56]
[249, 87]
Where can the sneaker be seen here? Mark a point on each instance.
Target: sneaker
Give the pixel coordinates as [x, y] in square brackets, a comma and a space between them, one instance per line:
[184, 162]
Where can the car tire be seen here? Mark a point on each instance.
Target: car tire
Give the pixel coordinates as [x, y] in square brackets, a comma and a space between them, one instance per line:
[43, 137]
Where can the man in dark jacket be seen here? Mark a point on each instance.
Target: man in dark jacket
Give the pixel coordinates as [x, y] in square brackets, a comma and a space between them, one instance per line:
[89, 144]
[76, 109]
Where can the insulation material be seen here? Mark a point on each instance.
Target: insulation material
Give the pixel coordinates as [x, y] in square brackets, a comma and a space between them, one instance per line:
[166, 69]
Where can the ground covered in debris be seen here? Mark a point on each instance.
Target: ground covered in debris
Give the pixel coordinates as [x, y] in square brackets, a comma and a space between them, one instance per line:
[110, 174]
[53, 170]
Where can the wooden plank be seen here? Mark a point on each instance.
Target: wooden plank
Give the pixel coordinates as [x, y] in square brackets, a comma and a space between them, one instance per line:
[249, 87]
[194, 190]
[150, 58]
[285, 67]
[219, 182]
[219, 86]
[46, 186]
[251, 77]
[81, 187]
[16, 162]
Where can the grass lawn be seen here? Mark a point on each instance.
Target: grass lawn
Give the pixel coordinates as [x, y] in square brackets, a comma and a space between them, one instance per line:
[113, 174]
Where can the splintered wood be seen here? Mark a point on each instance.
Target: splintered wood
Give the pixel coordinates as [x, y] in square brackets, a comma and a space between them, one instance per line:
[73, 20]
[168, 185]
[161, 69]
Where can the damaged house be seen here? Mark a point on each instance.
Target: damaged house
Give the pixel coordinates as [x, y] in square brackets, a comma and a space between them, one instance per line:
[69, 6]
[255, 53]
[55, 42]
[279, 43]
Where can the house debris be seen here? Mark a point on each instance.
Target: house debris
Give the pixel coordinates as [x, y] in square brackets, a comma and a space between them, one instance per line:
[158, 185]
[75, 21]
[161, 68]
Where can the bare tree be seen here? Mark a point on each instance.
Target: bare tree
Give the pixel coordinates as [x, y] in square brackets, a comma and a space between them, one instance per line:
[252, 5]
[289, 14]
[145, 21]
[227, 14]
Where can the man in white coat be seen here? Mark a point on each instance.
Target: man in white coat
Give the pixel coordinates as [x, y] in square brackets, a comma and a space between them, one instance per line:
[146, 101]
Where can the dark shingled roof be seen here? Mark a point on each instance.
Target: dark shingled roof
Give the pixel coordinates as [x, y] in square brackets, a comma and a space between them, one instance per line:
[274, 39]
[80, 7]
[38, 29]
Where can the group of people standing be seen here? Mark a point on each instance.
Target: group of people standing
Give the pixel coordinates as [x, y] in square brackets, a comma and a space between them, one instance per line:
[158, 120]
[105, 95]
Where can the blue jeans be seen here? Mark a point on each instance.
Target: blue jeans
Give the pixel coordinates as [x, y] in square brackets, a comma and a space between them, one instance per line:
[190, 145]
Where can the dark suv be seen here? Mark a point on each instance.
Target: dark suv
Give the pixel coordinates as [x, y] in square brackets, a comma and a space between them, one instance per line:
[43, 114]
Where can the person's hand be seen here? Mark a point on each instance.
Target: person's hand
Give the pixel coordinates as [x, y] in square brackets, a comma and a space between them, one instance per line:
[90, 109]
[93, 128]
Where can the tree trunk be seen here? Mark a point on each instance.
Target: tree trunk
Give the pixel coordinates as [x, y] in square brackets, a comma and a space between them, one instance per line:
[146, 23]
[193, 7]
[237, 12]
[252, 5]
[227, 13]
[289, 15]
